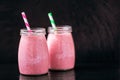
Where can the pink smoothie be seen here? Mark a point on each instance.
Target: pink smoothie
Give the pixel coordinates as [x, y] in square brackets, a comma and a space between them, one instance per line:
[61, 51]
[33, 55]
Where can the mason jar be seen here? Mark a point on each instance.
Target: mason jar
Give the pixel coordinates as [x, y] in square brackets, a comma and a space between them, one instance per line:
[33, 52]
[61, 48]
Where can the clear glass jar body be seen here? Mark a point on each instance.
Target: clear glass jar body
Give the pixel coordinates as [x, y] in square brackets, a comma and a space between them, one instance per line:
[61, 48]
[33, 52]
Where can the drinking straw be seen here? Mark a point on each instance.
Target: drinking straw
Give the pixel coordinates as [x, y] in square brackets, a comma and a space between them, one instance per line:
[52, 21]
[25, 21]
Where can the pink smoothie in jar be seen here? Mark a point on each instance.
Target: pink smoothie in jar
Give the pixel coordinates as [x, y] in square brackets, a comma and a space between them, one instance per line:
[33, 52]
[61, 48]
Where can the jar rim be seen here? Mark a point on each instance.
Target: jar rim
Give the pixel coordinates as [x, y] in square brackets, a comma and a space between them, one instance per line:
[60, 29]
[33, 30]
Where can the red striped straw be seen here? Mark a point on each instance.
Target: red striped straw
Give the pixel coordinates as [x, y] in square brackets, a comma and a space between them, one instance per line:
[25, 21]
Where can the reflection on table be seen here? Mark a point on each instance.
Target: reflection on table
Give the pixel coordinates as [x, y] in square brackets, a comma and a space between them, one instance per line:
[41, 77]
[65, 75]
[52, 75]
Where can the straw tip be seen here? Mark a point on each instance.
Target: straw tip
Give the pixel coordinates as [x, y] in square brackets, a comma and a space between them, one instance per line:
[50, 13]
[22, 12]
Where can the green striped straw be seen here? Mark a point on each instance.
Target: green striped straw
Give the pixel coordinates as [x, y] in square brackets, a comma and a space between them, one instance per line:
[52, 21]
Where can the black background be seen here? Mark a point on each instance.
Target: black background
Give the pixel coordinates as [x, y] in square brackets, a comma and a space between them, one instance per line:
[95, 26]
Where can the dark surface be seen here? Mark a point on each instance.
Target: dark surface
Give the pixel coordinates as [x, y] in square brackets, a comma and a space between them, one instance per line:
[11, 72]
